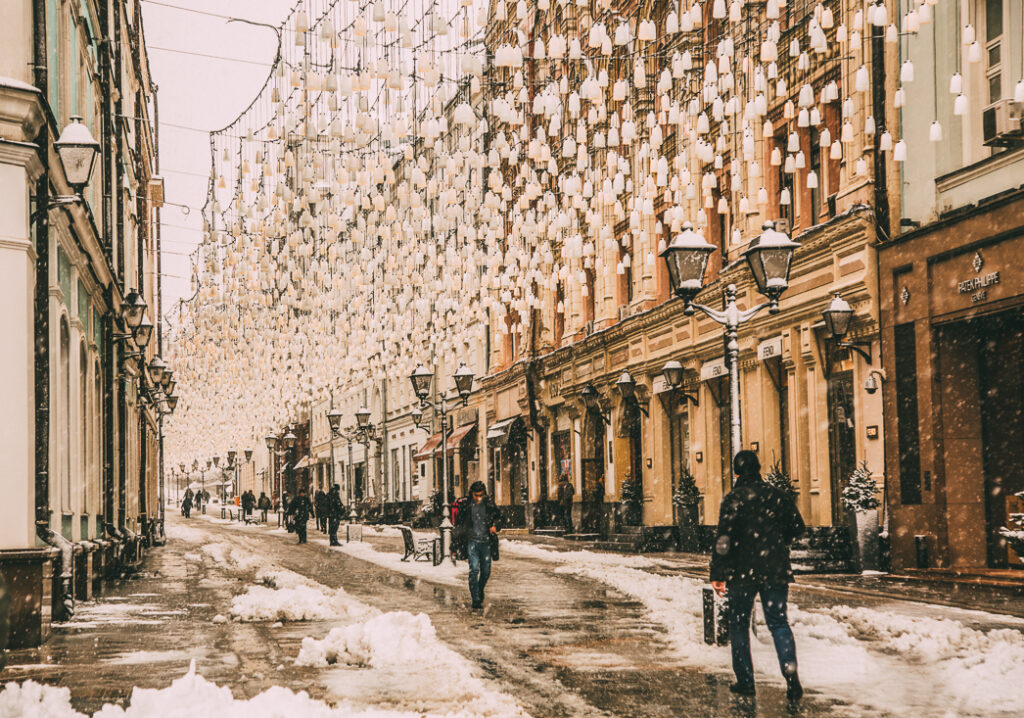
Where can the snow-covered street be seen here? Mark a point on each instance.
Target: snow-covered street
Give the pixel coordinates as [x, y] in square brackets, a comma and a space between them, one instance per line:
[233, 620]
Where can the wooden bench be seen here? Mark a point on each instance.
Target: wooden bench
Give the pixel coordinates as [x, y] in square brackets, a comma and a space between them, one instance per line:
[417, 548]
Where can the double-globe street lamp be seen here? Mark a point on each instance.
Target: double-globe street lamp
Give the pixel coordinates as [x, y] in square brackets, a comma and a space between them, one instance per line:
[334, 417]
[769, 256]
[421, 379]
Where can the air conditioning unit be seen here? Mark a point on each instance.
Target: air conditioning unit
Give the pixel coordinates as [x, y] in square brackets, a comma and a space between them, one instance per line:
[623, 312]
[1001, 124]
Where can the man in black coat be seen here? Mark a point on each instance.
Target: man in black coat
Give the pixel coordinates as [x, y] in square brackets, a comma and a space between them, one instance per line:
[756, 525]
[476, 528]
[335, 511]
[566, 492]
[264, 505]
[320, 504]
[300, 508]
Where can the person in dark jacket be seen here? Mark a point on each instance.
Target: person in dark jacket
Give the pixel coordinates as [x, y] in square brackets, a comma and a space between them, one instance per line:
[248, 503]
[264, 505]
[566, 492]
[335, 511]
[476, 526]
[320, 504]
[300, 509]
[756, 525]
[186, 505]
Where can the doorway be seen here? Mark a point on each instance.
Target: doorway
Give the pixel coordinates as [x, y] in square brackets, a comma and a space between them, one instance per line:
[1000, 350]
[593, 466]
[841, 438]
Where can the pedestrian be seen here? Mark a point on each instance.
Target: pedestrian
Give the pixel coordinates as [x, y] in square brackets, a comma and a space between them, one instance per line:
[300, 509]
[566, 492]
[476, 526]
[248, 502]
[335, 511]
[320, 505]
[756, 525]
[186, 505]
[286, 511]
[264, 505]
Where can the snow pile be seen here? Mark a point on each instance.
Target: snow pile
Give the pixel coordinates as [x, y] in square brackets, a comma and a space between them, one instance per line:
[591, 558]
[900, 664]
[226, 554]
[192, 696]
[396, 660]
[454, 574]
[288, 596]
[386, 640]
[39, 701]
[180, 532]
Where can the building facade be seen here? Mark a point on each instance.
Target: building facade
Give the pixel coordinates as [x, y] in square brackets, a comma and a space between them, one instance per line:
[951, 291]
[82, 428]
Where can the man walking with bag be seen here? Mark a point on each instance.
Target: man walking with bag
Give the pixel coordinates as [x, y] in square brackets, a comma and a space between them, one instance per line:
[476, 527]
[756, 525]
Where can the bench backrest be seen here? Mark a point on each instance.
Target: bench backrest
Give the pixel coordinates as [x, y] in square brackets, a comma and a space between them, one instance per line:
[407, 538]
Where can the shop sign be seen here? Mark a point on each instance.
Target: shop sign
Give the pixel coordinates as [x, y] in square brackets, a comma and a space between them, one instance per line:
[713, 369]
[770, 348]
[978, 286]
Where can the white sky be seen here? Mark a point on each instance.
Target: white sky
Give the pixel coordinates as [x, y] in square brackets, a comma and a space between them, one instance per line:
[201, 93]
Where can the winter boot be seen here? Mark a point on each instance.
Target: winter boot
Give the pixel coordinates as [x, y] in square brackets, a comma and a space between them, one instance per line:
[794, 691]
[743, 689]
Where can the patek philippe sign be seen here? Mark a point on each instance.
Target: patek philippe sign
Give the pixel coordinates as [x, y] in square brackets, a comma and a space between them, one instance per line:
[978, 286]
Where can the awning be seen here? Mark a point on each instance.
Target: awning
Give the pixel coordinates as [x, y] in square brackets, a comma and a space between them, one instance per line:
[303, 462]
[498, 432]
[427, 450]
[460, 433]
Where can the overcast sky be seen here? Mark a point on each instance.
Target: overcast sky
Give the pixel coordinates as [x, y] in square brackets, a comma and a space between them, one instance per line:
[202, 93]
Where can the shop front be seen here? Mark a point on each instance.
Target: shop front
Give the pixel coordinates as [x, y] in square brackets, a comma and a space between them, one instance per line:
[953, 332]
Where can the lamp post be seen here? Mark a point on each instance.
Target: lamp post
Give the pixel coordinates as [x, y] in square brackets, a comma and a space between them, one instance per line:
[421, 379]
[371, 432]
[334, 419]
[769, 256]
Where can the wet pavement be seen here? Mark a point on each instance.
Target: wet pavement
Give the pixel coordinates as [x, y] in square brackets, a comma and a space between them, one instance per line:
[563, 645]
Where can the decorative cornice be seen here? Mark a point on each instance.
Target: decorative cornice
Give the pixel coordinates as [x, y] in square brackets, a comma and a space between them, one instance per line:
[21, 111]
[24, 154]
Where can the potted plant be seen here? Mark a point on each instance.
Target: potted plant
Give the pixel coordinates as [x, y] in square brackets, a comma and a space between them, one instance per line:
[685, 500]
[860, 497]
[631, 499]
[780, 479]
[1014, 533]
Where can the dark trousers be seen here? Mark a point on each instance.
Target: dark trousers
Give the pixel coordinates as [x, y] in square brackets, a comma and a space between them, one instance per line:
[321, 523]
[567, 517]
[479, 553]
[774, 600]
[333, 524]
[188, 511]
[300, 530]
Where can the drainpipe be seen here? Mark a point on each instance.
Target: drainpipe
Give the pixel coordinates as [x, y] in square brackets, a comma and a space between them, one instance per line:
[42, 329]
[882, 221]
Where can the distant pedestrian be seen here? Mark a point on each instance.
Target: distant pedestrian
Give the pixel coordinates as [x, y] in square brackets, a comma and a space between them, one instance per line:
[476, 527]
[300, 509]
[264, 505]
[756, 525]
[286, 511]
[566, 492]
[335, 511]
[248, 503]
[186, 505]
[320, 506]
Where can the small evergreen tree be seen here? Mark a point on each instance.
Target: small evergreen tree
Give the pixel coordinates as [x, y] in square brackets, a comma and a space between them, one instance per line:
[686, 493]
[860, 491]
[781, 480]
[631, 492]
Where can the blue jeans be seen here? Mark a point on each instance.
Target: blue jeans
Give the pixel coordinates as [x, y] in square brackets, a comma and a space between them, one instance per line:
[479, 568]
[741, 604]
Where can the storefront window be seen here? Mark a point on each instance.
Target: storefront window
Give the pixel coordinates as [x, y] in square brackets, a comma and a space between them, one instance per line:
[561, 451]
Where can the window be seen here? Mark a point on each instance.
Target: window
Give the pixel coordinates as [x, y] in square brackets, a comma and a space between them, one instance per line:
[64, 416]
[905, 354]
[993, 48]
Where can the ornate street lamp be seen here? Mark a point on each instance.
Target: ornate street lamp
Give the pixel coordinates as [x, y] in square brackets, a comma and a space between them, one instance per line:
[673, 372]
[363, 418]
[687, 260]
[626, 385]
[248, 455]
[421, 379]
[77, 150]
[464, 382]
[417, 416]
[769, 256]
[271, 441]
[144, 332]
[334, 419]
[133, 308]
[289, 440]
[837, 318]
[156, 370]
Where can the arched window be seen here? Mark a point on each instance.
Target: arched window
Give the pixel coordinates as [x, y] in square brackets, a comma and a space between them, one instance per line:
[64, 416]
